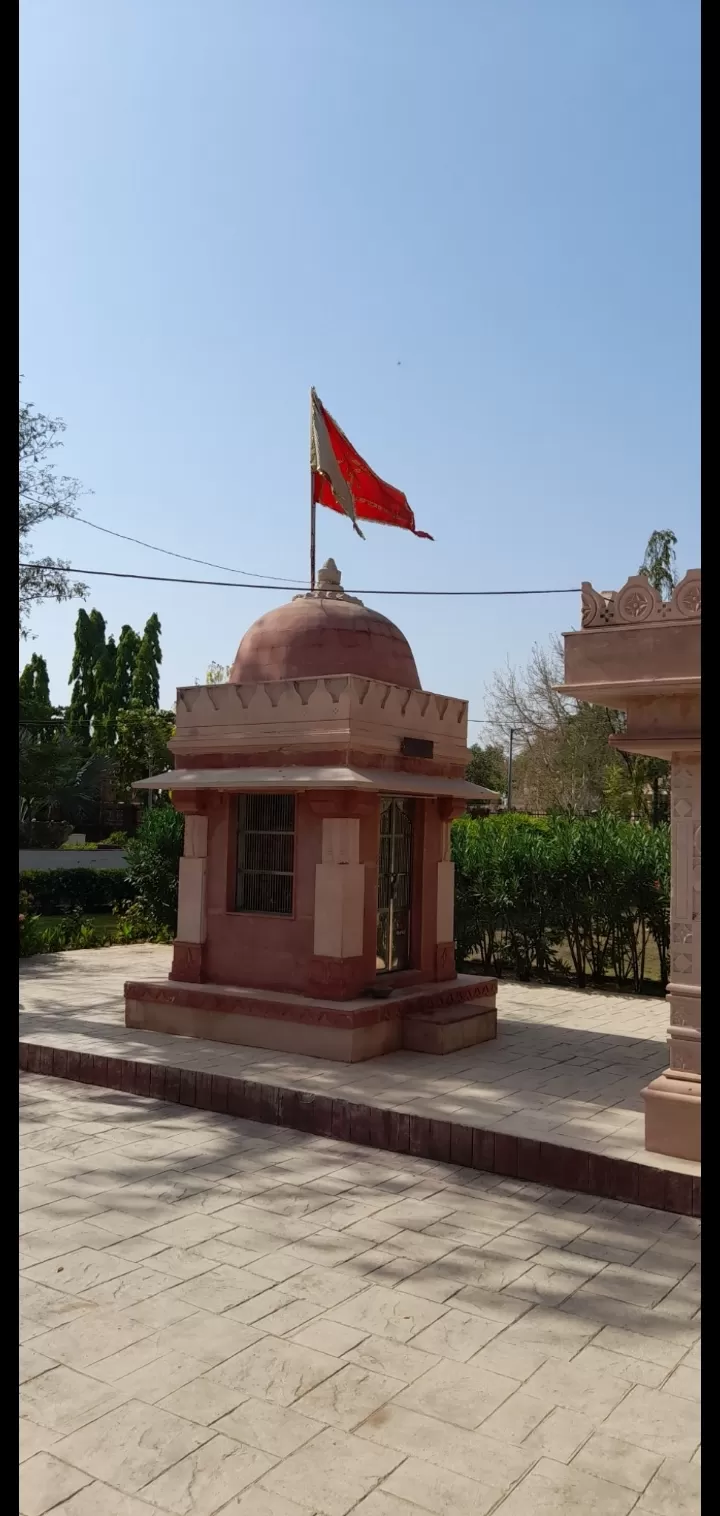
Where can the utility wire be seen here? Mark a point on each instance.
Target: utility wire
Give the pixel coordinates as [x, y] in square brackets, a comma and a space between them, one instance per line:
[171, 554]
[225, 584]
[472, 721]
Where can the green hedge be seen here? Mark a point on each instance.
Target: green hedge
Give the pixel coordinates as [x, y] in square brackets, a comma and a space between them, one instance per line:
[58, 892]
[599, 889]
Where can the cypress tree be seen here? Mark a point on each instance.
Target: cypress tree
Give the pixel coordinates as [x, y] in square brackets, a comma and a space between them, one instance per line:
[89, 649]
[105, 723]
[126, 657]
[146, 675]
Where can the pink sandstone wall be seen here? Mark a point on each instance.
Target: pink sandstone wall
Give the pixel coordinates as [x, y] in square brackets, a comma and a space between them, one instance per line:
[219, 945]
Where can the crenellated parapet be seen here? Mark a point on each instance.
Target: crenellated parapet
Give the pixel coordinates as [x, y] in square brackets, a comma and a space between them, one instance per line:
[314, 712]
[638, 603]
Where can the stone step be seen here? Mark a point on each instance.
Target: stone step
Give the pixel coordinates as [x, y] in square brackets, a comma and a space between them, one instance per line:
[449, 1028]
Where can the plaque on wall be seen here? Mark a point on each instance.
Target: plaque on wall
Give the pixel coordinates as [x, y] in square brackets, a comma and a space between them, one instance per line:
[416, 747]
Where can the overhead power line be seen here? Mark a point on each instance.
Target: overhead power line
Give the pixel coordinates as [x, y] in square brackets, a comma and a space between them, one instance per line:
[62, 721]
[224, 584]
[170, 553]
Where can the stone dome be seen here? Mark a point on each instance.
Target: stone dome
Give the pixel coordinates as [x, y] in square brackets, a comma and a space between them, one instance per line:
[325, 632]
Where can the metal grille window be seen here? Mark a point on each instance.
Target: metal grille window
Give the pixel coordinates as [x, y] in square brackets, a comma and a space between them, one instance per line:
[265, 854]
[394, 884]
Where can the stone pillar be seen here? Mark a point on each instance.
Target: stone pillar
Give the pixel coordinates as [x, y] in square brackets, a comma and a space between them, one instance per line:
[339, 891]
[672, 1102]
[343, 961]
[445, 914]
[187, 964]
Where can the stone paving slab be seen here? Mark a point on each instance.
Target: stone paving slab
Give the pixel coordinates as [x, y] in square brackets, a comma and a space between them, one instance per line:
[223, 1317]
[564, 1075]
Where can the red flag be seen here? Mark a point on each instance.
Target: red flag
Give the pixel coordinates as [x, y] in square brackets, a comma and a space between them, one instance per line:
[344, 482]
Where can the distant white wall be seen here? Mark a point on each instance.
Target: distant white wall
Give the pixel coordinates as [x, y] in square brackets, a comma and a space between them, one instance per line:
[58, 858]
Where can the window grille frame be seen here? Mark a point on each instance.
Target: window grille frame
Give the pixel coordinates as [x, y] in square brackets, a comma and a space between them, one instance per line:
[265, 841]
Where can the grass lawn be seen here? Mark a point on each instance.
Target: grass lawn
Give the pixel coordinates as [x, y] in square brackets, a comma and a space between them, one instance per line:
[106, 922]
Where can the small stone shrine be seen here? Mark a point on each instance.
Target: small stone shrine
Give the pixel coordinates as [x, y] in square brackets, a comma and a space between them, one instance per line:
[316, 894]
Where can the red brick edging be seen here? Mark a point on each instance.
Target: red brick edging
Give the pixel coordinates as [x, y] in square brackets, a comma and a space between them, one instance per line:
[394, 1131]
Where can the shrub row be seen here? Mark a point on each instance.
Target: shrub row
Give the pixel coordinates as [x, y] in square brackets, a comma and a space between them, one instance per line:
[66, 932]
[77, 931]
[59, 892]
[600, 888]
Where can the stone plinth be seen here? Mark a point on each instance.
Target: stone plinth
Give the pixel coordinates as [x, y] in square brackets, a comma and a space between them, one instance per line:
[429, 1018]
[640, 654]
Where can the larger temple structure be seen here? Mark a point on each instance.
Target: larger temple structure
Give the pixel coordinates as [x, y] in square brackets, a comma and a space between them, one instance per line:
[316, 889]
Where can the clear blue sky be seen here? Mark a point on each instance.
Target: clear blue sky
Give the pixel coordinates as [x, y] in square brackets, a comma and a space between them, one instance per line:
[226, 202]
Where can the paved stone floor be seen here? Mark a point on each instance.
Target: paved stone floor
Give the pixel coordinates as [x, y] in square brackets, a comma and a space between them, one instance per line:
[225, 1317]
[567, 1066]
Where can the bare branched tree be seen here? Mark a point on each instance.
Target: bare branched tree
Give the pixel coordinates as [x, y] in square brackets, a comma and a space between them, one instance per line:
[561, 743]
[44, 495]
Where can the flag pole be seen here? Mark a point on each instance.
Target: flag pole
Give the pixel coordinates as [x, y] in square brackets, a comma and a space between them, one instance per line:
[312, 504]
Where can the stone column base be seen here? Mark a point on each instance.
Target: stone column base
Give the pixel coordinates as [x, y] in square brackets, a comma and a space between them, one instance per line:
[672, 1116]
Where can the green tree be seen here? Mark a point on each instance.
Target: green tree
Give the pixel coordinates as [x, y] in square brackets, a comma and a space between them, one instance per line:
[146, 674]
[217, 673]
[142, 748]
[127, 651]
[106, 708]
[658, 565]
[153, 859]
[60, 787]
[88, 653]
[488, 766]
[638, 792]
[35, 710]
[35, 684]
[44, 495]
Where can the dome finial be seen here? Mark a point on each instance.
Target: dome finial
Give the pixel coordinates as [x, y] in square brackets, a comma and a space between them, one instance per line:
[328, 586]
[329, 576]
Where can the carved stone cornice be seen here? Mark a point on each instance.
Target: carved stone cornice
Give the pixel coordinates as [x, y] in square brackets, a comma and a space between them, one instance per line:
[637, 603]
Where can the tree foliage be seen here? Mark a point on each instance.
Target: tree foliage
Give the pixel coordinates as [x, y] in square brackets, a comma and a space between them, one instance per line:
[84, 674]
[35, 685]
[37, 715]
[59, 787]
[145, 688]
[44, 495]
[127, 651]
[218, 673]
[106, 701]
[153, 858]
[561, 745]
[658, 565]
[142, 748]
[488, 766]
[563, 759]
[112, 717]
[110, 679]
